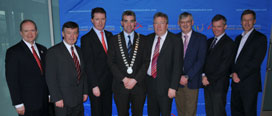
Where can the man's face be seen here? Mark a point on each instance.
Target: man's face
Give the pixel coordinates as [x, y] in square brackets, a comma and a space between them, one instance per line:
[248, 22]
[218, 27]
[99, 21]
[70, 35]
[186, 24]
[128, 23]
[28, 32]
[160, 26]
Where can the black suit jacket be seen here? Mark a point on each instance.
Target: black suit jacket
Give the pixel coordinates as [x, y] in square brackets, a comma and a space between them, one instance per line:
[119, 69]
[26, 83]
[169, 64]
[95, 58]
[217, 67]
[248, 63]
[61, 76]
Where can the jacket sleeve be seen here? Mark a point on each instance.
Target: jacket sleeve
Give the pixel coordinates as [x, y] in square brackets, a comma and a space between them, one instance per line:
[51, 76]
[12, 77]
[88, 57]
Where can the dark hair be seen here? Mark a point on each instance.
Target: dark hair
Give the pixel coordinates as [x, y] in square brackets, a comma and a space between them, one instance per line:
[98, 10]
[70, 24]
[160, 14]
[184, 15]
[128, 13]
[219, 17]
[248, 11]
[25, 21]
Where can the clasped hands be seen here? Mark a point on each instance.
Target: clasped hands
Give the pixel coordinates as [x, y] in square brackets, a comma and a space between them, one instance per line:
[129, 83]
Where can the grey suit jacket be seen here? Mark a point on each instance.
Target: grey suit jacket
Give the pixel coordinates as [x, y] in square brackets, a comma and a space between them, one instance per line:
[61, 76]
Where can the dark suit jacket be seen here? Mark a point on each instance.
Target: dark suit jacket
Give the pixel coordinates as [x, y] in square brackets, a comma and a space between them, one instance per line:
[95, 58]
[61, 76]
[194, 59]
[169, 64]
[248, 63]
[217, 67]
[119, 69]
[26, 83]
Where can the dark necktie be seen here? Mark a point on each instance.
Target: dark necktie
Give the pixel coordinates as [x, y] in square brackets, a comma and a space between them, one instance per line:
[129, 46]
[155, 58]
[37, 59]
[76, 63]
[213, 43]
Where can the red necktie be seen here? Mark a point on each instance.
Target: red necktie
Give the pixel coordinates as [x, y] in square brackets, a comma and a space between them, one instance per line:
[76, 63]
[155, 58]
[37, 59]
[103, 42]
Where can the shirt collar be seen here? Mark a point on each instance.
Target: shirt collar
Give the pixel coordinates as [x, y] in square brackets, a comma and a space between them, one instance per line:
[97, 31]
[68, 46]
[29, 44]
[163, 36]
[131, 34]
[188, 34]
[220, 36]
[248, 33]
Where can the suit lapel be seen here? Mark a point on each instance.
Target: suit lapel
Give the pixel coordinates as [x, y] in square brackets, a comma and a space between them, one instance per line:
[97, 41]
[164, 45]
[66, 54]
[190, 45]
[123, 41]
[218, 44]
[249, 39]
[30, 54]
[42, 55]
[80, 57]
[26, 49]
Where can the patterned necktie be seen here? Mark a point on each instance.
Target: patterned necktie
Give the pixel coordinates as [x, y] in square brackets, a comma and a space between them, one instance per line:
[76, 63]
[103, 42]
[155, 58]
[129, 47]
[37, 59]
[185, 44]
[213, 43]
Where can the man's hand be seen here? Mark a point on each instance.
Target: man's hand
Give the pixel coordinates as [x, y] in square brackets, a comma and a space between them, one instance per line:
[59, 104]
[85, 97]
[235, 77]
[205, 81]
[171, 93]
[96, 91]
[131, 84]
[125, 81]
[21, 110]
[183, 80]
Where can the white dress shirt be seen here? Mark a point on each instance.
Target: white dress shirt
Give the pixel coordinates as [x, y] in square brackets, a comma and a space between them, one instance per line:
[98, 33]
[163, 37]
[68, 46]
[242, 42]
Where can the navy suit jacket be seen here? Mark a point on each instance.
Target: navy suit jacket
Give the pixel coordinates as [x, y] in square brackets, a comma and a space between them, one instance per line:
[194, 59]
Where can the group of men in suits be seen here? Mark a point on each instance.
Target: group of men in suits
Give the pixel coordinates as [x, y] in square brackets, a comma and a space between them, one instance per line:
[131, 66]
